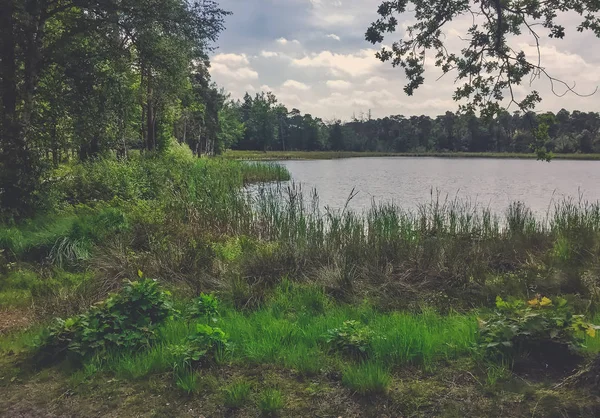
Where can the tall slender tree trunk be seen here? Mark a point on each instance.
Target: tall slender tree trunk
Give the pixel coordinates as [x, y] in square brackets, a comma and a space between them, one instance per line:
[150, 116]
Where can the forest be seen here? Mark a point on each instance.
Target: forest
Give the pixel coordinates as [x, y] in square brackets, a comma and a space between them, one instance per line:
[143, 273]
[267, 125]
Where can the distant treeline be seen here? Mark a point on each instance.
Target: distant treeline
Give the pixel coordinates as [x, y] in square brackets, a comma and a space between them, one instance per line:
[271, 126]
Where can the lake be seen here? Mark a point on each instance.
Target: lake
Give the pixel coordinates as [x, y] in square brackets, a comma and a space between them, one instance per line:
[408, 182]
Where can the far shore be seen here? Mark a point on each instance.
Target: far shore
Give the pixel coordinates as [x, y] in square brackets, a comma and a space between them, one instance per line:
[329, 155]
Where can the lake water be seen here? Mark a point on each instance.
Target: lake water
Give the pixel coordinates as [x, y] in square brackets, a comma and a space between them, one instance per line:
[408, 182]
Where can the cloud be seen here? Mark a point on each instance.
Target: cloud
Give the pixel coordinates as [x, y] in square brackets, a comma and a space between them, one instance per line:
[231, 59]
[338, 84]
[296, 85]
[375, 81]
[261, 48]
[360, 63]
[268, 54]
[241, 73]
[284, 41]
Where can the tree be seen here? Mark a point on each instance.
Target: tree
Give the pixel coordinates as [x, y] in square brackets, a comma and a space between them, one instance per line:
[488, 67]
[102, 55]
[336, 137]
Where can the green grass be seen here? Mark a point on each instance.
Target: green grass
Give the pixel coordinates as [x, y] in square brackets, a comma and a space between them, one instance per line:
[366, 378]
[237, 394]
[187, 380]
[319, 155]
[271, 402]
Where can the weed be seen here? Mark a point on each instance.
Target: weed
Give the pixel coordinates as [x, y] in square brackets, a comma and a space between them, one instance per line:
[271, 402]
[237, 394]
[187, 380]
[352, 338]
[367, 378]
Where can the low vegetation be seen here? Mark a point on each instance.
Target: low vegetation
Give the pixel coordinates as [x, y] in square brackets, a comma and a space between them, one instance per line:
[186, 285]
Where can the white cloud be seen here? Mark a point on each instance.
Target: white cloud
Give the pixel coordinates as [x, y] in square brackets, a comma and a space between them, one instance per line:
[338, 84]
[284, 41]
[293, 84]
[360, 63]
[268, 54]
[334, 37]
[241, 73]
[231, 60]
[375, 81]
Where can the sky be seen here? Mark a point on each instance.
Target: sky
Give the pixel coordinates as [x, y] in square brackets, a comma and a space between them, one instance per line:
[313, 56]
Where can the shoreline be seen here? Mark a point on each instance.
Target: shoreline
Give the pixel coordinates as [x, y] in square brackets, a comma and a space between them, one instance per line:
[332, 155]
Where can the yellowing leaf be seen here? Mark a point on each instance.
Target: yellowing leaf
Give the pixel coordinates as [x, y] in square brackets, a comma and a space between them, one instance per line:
[591, 331]
[533, 302]
[140, 274]
[545, 302]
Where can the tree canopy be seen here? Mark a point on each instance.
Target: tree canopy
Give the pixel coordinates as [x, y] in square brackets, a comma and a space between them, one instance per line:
[488, 66]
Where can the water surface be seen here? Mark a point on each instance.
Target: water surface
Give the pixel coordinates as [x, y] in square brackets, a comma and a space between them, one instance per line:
[408, 182]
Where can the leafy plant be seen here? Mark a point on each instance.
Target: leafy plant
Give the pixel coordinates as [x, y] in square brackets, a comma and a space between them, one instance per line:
[352, 338]
[236, 394]
[204, 306]
[127, 319]
[204, 344]
[537, 326]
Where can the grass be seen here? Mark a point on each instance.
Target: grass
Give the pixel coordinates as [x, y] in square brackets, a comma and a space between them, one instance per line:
[287, 271]
[237, 394]
[327, 155]
[366, 378]
[271, 402]
[187, 380]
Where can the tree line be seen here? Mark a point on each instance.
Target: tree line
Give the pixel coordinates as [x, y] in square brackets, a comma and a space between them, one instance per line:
[269, 125]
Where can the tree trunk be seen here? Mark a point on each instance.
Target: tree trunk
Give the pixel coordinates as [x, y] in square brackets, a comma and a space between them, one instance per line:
[150, 117]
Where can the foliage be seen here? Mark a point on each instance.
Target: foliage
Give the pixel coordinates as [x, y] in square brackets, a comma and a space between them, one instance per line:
[488, 66]
[517, 327]
[204, 306]
[203, 344]
[126, 320]
[351, 338]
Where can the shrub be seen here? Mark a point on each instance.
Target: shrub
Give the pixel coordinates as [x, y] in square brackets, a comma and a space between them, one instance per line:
[366, 378]
[237, 394]
[204, 306]
[541, 327]
[270, 402]
[204, 344]
[127, 320]
[352, 338]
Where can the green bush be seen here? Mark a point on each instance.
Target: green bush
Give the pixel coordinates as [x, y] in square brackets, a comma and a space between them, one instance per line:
[540, 327]
[203, 345]
[126, 320]
[352, 338]
[204, 306]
